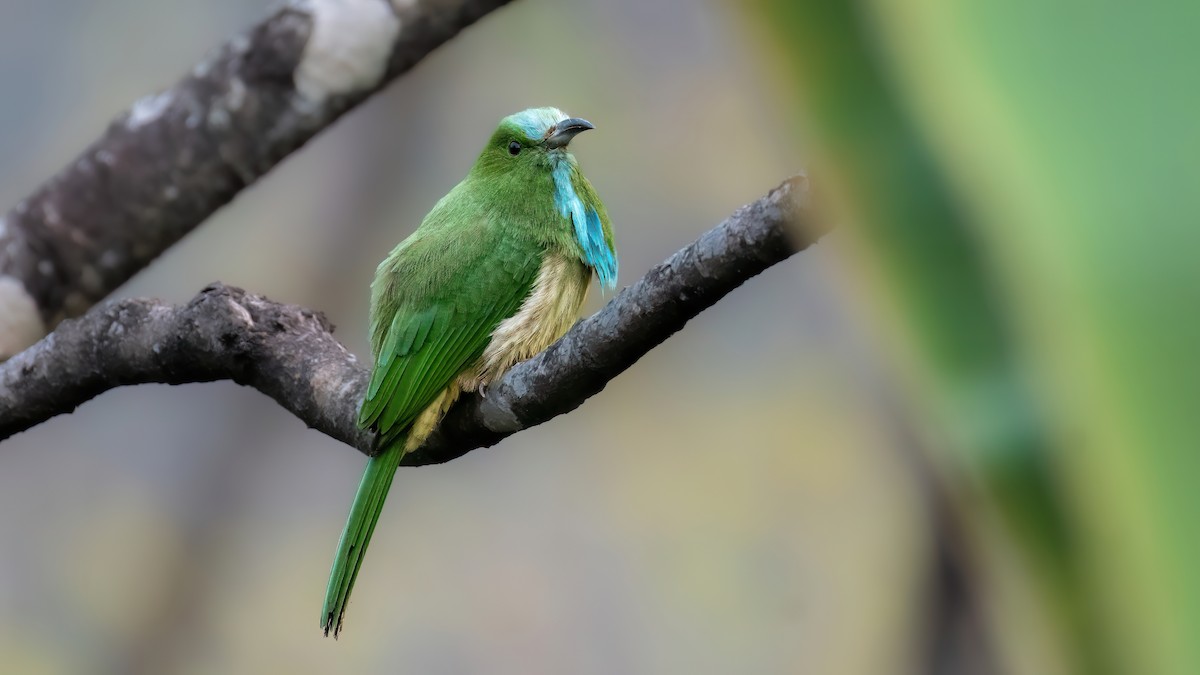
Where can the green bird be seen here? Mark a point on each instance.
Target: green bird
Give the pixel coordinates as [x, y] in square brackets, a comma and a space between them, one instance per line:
[496, 273]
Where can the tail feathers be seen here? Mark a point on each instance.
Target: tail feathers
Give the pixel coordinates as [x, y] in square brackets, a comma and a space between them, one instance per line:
[368, 504]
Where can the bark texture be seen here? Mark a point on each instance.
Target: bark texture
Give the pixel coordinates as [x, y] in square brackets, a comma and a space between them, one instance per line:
[175, 157]
[290, 354]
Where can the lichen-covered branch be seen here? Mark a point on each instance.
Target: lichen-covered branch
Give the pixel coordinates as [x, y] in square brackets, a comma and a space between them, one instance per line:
[176, 157]
[289, 353]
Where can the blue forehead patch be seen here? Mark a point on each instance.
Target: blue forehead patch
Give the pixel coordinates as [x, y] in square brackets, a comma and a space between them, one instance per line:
[535, 122]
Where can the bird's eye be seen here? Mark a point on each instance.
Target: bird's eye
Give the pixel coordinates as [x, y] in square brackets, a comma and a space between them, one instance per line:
[514, 148]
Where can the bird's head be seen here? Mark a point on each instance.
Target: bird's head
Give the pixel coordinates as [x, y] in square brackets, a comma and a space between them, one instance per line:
[534, 137]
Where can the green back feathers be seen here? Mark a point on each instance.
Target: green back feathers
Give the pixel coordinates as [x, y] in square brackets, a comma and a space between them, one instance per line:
[435, 302]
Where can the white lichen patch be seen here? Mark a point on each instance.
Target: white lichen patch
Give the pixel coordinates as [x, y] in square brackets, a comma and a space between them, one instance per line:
[20, 323]
[147, 109]
[50, 213]
[218, 119]
[348, 48]
[236, 96]
[240, 314]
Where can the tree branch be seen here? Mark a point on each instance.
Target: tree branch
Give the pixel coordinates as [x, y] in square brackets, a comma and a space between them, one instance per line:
[176, 157]
[290, 354]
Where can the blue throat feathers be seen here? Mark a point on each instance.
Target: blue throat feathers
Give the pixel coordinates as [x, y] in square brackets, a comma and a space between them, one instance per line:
[588, 231]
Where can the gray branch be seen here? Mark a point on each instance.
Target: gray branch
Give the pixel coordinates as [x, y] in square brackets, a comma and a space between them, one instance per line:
[176, 157]
[290, 354]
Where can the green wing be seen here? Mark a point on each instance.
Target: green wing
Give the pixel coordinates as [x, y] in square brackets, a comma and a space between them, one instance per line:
[430, 324]
[434, 304]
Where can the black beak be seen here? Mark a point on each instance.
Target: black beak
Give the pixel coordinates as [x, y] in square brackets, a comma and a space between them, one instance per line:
[562, 133]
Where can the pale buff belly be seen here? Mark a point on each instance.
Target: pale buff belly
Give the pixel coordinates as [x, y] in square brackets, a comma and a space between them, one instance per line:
[546, 315]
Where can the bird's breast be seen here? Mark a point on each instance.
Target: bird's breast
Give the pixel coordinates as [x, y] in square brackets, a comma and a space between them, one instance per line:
[549, 311]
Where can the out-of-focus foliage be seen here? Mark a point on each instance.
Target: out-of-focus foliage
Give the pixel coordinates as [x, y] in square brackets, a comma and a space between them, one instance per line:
[1023, 181]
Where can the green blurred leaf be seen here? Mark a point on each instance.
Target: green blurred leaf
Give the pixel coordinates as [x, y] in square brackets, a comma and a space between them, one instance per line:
[1073, 134]
[979, 158]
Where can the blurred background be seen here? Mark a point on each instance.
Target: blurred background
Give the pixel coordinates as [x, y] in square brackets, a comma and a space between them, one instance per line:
[956, 436]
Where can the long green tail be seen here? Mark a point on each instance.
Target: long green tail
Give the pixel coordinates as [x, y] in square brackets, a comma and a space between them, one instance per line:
[368, 504]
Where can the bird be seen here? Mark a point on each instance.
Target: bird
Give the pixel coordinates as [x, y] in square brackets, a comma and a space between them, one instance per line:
[497, 271]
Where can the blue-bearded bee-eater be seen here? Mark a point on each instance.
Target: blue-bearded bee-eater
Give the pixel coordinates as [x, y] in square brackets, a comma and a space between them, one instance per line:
[496, 272]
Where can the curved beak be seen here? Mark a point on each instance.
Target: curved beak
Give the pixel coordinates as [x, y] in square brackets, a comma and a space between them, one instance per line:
[560, 134]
